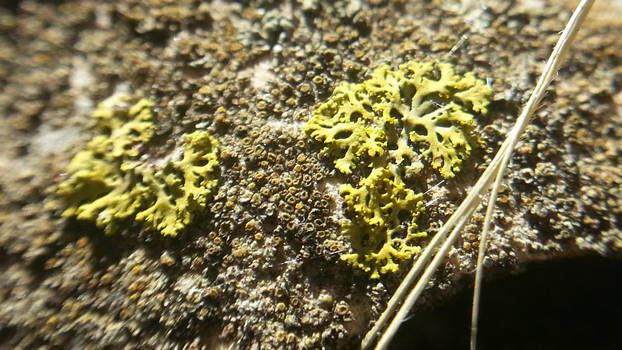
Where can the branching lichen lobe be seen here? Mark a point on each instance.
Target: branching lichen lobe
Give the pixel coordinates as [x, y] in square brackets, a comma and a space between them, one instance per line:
[390, 123]
[109, 181]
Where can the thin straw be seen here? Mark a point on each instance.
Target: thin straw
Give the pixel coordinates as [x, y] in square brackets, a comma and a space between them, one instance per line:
[472, 201]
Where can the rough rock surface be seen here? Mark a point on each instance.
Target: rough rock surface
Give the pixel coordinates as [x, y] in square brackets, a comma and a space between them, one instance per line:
[260, 268]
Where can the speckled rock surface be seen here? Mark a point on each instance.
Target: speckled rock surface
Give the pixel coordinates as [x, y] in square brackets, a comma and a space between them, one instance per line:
[260, 268]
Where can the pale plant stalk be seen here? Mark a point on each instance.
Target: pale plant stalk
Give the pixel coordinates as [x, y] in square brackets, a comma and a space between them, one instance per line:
[470, 203]
[550, 70]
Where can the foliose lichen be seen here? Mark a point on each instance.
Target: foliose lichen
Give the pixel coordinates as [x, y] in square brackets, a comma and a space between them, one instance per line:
[378, 206]
[390, 124]
[110, 182]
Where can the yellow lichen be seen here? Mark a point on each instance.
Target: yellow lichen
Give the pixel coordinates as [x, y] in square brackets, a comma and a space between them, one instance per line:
[379, 206]
[386, 115]
[109, 182]
[390, 123]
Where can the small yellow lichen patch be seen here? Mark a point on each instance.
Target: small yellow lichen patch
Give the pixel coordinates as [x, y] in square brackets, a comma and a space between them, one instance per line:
[379, 206]
[109, 182]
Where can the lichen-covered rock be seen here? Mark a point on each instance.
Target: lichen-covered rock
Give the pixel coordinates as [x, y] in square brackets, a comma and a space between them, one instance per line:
[110, 183]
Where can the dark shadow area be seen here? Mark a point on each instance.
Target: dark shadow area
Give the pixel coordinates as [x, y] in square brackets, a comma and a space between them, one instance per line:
[569, 304]
[11, 5]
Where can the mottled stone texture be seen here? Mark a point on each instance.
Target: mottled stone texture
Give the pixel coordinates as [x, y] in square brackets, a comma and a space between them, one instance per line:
[259, 267]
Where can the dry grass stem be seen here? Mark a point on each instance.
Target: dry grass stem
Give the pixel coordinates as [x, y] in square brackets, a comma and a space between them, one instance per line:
[457, 221]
